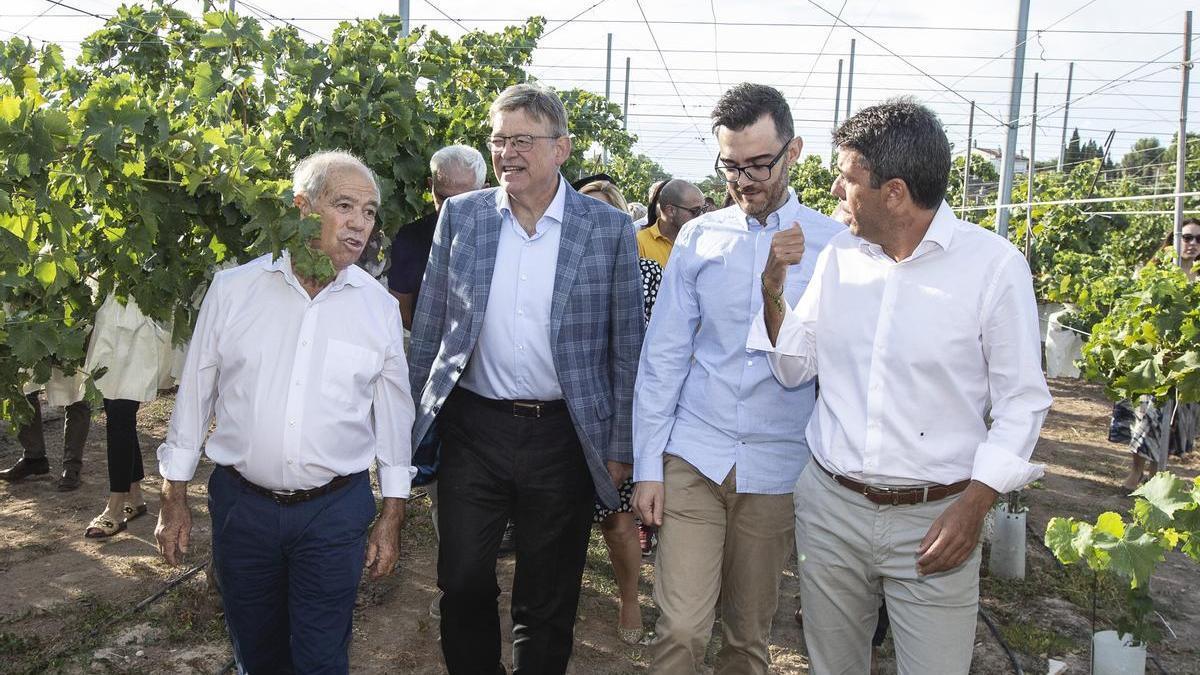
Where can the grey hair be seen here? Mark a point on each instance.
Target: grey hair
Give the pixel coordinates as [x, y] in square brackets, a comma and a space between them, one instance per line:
[460, 158]
[541, 103]
[310, 174]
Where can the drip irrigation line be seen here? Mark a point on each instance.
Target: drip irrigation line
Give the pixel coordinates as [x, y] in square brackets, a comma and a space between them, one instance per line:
[1012, 658]
[74, 645]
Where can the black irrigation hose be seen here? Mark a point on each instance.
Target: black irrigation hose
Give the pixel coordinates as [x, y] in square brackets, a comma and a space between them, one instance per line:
[1012, 658]
[75, 644]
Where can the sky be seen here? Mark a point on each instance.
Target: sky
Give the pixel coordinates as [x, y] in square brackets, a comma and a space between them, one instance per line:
[684, 53]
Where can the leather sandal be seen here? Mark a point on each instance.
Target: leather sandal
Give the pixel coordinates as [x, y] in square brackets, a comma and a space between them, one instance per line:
[134, 512]
[102, 526]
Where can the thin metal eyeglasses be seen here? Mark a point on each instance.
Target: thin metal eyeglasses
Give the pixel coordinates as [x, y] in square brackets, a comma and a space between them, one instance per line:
[755, 172]
[698, 211]
[520, 142]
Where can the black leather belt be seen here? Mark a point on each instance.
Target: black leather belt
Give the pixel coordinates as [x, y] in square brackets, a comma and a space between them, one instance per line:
[897, 496]
[289, 497]
[518, 408]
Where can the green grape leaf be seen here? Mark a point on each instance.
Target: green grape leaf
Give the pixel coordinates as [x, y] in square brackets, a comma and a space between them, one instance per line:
[1060, 539]
[1133, 556]
[1162, 496]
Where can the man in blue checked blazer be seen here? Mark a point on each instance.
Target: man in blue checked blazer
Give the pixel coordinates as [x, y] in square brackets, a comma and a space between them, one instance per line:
[524, 352]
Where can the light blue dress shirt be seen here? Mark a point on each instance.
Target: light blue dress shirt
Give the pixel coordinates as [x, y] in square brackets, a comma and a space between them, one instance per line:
[701, 395]
[513, 358]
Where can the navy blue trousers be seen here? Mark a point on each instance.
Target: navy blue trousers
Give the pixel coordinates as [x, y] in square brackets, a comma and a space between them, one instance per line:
[289, 574]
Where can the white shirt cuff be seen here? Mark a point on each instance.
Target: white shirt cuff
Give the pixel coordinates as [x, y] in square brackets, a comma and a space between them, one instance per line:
[1003, 471]
[176, 463]
[758, 339]
[396, 481]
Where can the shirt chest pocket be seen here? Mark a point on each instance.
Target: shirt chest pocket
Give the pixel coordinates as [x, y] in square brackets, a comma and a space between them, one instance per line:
[349, 372]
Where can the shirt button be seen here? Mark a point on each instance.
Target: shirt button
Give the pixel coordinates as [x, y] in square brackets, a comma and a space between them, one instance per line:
[290, 462]
[304, 343]
[521, 347]
[520, 312]
[524, 277]
[291, 423]
[750, 362]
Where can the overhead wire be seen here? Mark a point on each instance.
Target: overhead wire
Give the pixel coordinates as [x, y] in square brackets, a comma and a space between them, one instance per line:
[903, 60]
[574, 18]
[439, 11]
[821, 52]
[729, 24]
[662, 58]
[1014, 48]
[712, 6]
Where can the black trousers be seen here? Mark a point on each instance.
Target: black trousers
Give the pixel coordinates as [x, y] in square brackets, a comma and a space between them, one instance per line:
[75, 433]
[124, 451]
[495, 466]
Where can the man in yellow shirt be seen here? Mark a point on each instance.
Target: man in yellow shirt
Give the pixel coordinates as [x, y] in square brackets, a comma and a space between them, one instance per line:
[678, 202]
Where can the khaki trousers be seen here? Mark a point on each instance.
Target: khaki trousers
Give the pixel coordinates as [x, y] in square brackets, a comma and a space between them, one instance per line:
[716, 545]
[853, 551]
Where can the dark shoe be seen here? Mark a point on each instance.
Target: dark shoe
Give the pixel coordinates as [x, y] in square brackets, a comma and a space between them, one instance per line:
[25, 467]
[508, 541]
[69, 480]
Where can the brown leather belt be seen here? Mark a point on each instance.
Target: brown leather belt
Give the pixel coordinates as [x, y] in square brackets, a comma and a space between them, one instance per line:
[897, 496]
[518, 408]
[290, 497]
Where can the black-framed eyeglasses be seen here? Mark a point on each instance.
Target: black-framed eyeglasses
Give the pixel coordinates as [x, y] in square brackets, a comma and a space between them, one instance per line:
[1189, 238]
[755, 172]
[696, 211]
[520, 142]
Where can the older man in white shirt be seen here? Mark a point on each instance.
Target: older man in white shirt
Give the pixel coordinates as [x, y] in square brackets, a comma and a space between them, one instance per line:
[923, 333]
[308, 382]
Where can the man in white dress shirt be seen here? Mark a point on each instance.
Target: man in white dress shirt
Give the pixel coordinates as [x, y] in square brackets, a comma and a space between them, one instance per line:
[920, 328]
[308, 382]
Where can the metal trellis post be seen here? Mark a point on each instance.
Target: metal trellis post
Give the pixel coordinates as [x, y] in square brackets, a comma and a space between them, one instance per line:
[1014, 114]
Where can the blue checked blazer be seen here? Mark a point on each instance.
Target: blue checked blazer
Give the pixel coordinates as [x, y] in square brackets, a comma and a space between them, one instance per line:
[596, 322]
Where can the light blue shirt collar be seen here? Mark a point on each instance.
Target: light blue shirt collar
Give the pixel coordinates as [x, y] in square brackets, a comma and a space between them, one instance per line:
[554, 211]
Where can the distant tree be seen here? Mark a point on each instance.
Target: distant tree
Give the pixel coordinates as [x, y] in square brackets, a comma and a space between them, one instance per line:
[812, 180]
[1141, 159]
[714, 186]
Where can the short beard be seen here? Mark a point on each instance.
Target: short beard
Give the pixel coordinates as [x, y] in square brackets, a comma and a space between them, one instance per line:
[778, 188]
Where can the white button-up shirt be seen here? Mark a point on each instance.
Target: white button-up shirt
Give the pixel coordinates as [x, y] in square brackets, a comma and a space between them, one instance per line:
[303, 389]
[914, 356]
[513, 358]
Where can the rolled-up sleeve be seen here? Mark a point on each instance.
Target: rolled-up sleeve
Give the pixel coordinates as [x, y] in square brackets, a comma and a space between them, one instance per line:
[1020, 397]
[179, 454]
[394, 413]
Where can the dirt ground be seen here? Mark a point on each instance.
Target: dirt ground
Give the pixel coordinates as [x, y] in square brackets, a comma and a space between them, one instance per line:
[73, 605]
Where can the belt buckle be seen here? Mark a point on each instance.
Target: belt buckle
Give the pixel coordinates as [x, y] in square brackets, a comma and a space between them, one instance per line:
[891, 494]
[534, 410]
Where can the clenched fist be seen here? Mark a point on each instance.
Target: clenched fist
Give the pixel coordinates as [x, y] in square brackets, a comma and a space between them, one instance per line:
[787, 248]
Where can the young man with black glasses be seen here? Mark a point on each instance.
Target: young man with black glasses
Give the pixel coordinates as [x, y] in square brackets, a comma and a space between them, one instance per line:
[718, 441]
